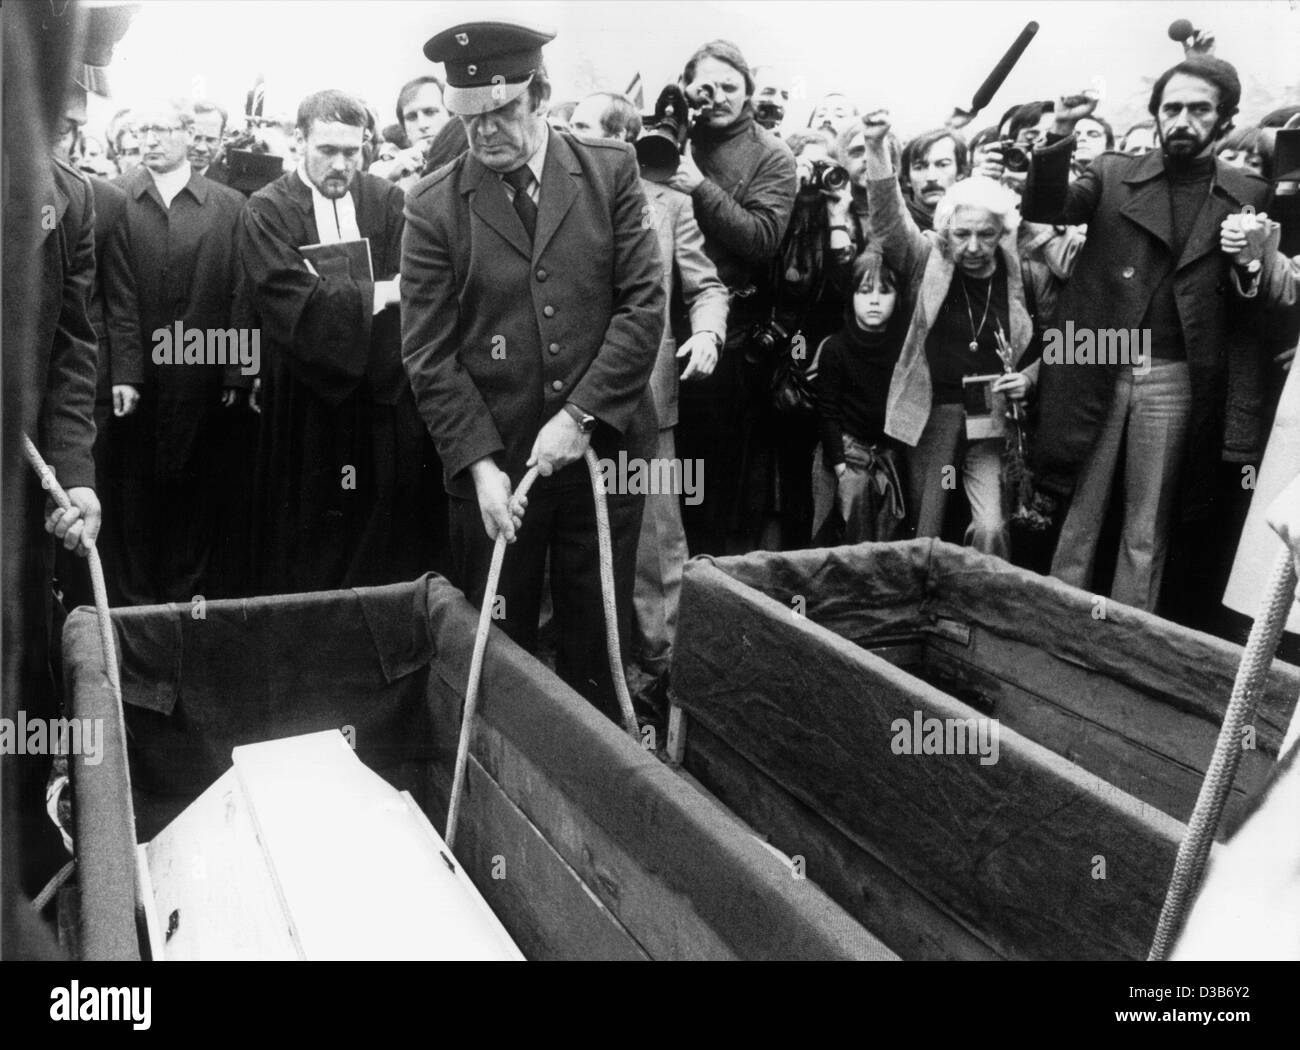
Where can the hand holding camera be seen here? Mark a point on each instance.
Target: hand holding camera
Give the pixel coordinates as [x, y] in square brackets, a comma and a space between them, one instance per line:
[688, 176]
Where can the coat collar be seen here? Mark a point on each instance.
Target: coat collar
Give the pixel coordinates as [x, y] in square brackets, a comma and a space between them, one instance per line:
[561, 181]
[139, 182]
[939, 273]
[1148, 204]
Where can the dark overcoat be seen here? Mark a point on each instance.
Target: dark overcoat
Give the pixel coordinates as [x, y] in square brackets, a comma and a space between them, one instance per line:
[1124, 200]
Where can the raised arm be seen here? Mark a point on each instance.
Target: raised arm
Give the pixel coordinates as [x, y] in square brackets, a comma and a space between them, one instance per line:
[1049, 195]
[892, 226]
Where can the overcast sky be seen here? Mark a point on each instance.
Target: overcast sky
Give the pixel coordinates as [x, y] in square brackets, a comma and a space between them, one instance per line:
[920, 58]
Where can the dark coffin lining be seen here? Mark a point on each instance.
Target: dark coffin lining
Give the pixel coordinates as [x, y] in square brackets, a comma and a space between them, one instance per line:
[271, 667]
[1006, 848]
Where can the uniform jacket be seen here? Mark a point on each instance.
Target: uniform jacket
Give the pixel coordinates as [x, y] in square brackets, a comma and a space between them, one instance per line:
[68, 355]
[497, 336]
[681, 249]
[1124, 201]
[919, 260]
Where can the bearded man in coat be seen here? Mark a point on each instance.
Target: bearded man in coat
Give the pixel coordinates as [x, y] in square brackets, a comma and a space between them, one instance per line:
[1152, 264]
[347, 490]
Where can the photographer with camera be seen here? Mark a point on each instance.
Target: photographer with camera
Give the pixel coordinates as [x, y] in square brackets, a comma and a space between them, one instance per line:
[770, 99]
[807, 306]
[742, 185]
[975, 301]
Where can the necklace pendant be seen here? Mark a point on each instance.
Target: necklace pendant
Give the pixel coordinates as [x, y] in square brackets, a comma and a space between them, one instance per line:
[974, 347]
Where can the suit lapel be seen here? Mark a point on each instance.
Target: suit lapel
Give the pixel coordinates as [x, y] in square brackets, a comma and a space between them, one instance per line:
[489, 202]
[560, 179]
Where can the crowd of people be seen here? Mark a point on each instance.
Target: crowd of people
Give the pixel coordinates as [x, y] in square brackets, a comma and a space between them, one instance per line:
[845, 331]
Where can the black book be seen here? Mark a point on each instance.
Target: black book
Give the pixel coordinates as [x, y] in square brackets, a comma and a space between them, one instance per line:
[342, 259]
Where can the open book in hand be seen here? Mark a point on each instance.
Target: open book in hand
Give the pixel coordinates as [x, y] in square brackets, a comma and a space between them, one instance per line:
[341, 259]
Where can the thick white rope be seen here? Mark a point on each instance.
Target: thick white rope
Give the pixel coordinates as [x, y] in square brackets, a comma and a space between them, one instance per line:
[106, 638]
[1194, 850]
[605, 542]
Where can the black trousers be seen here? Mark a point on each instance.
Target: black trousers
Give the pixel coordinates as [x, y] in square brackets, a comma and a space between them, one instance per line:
[561, 519]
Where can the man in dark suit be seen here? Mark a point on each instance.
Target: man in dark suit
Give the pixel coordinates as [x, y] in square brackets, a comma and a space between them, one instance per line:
[1152, 265]
[532, 311]
[170, 261]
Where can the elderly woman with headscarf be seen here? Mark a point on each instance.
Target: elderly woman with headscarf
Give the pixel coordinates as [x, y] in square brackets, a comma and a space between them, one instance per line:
[975, 298]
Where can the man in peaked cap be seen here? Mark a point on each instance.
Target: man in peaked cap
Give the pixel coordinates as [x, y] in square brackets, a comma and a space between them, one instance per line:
[532, 310]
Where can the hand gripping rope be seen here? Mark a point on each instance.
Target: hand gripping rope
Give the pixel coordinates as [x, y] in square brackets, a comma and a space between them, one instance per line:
[106, 642]
[1194, 850]
[485, 622]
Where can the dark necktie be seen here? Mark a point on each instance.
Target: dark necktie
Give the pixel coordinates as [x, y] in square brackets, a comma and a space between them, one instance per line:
[520, 180]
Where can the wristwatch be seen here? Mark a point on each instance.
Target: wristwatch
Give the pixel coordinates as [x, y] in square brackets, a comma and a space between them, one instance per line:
[585, 420]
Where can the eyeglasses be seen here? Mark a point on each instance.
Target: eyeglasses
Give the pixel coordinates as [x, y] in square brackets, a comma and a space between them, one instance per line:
[157, 129]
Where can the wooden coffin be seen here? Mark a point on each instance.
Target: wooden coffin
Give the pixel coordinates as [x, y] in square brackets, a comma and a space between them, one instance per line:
[803, 676]
[583, 844]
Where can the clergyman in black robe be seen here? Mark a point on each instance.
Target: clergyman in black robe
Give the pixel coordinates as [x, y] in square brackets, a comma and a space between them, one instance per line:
[348, 486]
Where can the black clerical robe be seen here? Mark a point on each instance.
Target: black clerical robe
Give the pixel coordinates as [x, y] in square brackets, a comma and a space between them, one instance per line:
[348, 489]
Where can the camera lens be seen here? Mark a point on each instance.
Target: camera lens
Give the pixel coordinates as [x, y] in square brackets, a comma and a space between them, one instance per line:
[1015, 158]
[835, 178]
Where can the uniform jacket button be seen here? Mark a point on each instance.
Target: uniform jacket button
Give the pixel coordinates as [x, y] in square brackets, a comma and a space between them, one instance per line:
[542, 275]
[554, 348]
[558, 385]
[1128, 272]
[548, 311]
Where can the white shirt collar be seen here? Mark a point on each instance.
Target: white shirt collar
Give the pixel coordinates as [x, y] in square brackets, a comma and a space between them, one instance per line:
[336, 219]
[170, 183]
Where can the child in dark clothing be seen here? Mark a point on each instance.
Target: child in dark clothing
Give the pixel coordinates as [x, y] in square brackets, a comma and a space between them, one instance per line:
[857, 492]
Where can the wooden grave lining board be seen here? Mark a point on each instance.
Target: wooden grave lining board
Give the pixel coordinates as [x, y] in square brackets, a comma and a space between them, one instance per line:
[1140, 744]
[891, 908]
[570, 763]
[547, 907]
[1009, 848]
[1193, 672]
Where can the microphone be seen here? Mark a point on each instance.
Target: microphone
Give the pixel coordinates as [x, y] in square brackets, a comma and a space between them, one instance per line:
[1180, 30]
[994, 80]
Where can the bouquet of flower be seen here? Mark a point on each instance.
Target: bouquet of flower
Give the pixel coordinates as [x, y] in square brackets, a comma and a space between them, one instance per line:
[1031, 509]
